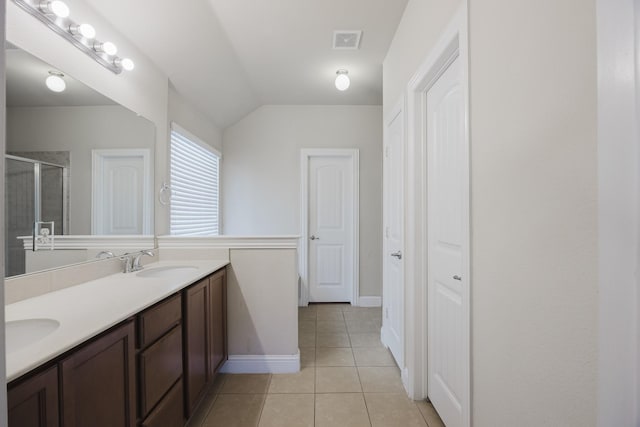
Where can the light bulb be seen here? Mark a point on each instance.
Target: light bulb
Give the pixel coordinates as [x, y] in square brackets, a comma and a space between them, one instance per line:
[85, 30]
[127, 64]
[59, 8]
[55, 82]
[106, 47]
[342, 80]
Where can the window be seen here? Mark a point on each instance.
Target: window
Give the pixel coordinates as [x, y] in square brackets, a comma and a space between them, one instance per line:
[194, 185]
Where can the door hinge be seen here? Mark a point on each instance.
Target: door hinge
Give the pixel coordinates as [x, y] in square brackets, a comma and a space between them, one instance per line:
[386, 312]
[386, 151]
[386, 232]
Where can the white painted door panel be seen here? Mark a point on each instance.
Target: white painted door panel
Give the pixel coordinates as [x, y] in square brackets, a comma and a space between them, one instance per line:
[393, 268]
[330, 227]
[446, 245]
[121, 192]
[123, 204]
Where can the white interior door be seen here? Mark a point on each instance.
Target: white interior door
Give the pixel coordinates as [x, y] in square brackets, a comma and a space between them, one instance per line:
[331, 229]
[447, 247]
[393, 266]
[121, 192]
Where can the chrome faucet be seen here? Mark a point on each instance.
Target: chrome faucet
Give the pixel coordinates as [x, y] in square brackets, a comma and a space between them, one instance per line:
[109, 254]
[128, 262]
[136, 266]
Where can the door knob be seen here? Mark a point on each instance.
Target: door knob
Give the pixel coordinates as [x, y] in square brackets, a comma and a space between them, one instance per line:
[456, 277]
[397, 254]
[313, 237]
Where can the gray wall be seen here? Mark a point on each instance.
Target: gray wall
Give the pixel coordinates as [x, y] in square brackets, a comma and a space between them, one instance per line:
[77, 130]
[261, 173]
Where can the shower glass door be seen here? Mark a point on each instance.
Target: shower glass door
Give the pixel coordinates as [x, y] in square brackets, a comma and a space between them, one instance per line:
[34, 191]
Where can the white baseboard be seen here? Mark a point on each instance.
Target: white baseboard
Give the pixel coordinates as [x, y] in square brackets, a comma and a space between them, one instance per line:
[262, 364]
[405, 378]
[370, 302]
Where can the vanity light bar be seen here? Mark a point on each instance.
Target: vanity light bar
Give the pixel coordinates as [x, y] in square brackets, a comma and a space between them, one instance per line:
[54, 14]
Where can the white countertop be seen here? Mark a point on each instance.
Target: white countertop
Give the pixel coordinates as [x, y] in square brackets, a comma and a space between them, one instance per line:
[88, 309]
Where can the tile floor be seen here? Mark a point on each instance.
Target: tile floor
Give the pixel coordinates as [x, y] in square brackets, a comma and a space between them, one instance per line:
[347, 379]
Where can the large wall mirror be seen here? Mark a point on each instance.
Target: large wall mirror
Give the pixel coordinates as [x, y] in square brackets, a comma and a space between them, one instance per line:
[77, 166]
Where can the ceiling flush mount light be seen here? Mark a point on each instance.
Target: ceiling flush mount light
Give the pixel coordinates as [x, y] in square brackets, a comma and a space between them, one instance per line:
[55, 82]
[55, 15]
[342, 80]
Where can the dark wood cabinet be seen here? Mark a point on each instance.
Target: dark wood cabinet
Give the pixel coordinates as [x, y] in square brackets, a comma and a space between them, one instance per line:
[180, 344]
[217, 321]
[34, 402]
[195, 317]
[160, 366]
[169, 412]
[98, 382]
[205, 335]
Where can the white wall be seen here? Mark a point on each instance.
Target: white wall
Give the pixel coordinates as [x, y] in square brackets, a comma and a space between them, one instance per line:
[533, 206]
[261, 172]
[185, 115]
[77, 130]
[619, 214]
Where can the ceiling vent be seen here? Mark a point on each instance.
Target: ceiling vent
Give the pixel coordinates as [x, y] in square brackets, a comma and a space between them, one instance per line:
[347, 40]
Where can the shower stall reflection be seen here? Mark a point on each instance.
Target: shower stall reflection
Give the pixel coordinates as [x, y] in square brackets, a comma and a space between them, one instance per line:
[34, 191]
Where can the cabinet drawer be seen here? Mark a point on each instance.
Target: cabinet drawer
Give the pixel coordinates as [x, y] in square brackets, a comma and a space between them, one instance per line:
[157, 320]
[160, 367]
[169, 413]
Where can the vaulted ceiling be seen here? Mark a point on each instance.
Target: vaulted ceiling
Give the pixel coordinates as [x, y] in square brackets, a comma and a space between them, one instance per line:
[228, 57]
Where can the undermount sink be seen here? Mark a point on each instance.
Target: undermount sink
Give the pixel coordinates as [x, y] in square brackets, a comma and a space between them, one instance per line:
[167, 271]
[21, 333]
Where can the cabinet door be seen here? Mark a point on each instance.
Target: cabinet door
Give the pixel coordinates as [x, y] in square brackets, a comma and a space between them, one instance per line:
[98, 382]
[196, 342]
[217, 321]
[34, 402]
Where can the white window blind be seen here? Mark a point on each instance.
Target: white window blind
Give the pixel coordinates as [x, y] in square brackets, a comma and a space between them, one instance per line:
[194, 186]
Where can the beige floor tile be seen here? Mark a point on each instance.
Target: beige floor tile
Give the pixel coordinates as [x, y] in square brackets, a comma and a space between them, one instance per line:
[380, 380]
[332, 340]
[308, 316]
[373, 357]
[235, 410]
[330, 307]
[362, 326]
[333, 356]
[306, 339]
[341, 410]
[307, 357]
[331, 327]
[300, 382]
[393, 410]
[288, 410]
[201, 411]
[306, 326]
[218, 382]
[330, 315]
[429, 413]
[246, 384]
[337, 380]
[367, 339]
[363, 315]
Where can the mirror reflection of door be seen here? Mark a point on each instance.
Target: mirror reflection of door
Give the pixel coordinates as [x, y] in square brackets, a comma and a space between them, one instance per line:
[121, 192]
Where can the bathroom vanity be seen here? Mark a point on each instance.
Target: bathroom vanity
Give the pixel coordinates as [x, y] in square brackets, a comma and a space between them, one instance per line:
[136, 350]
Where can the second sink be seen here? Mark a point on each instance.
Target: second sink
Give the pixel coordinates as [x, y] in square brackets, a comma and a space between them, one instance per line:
[167, 271]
